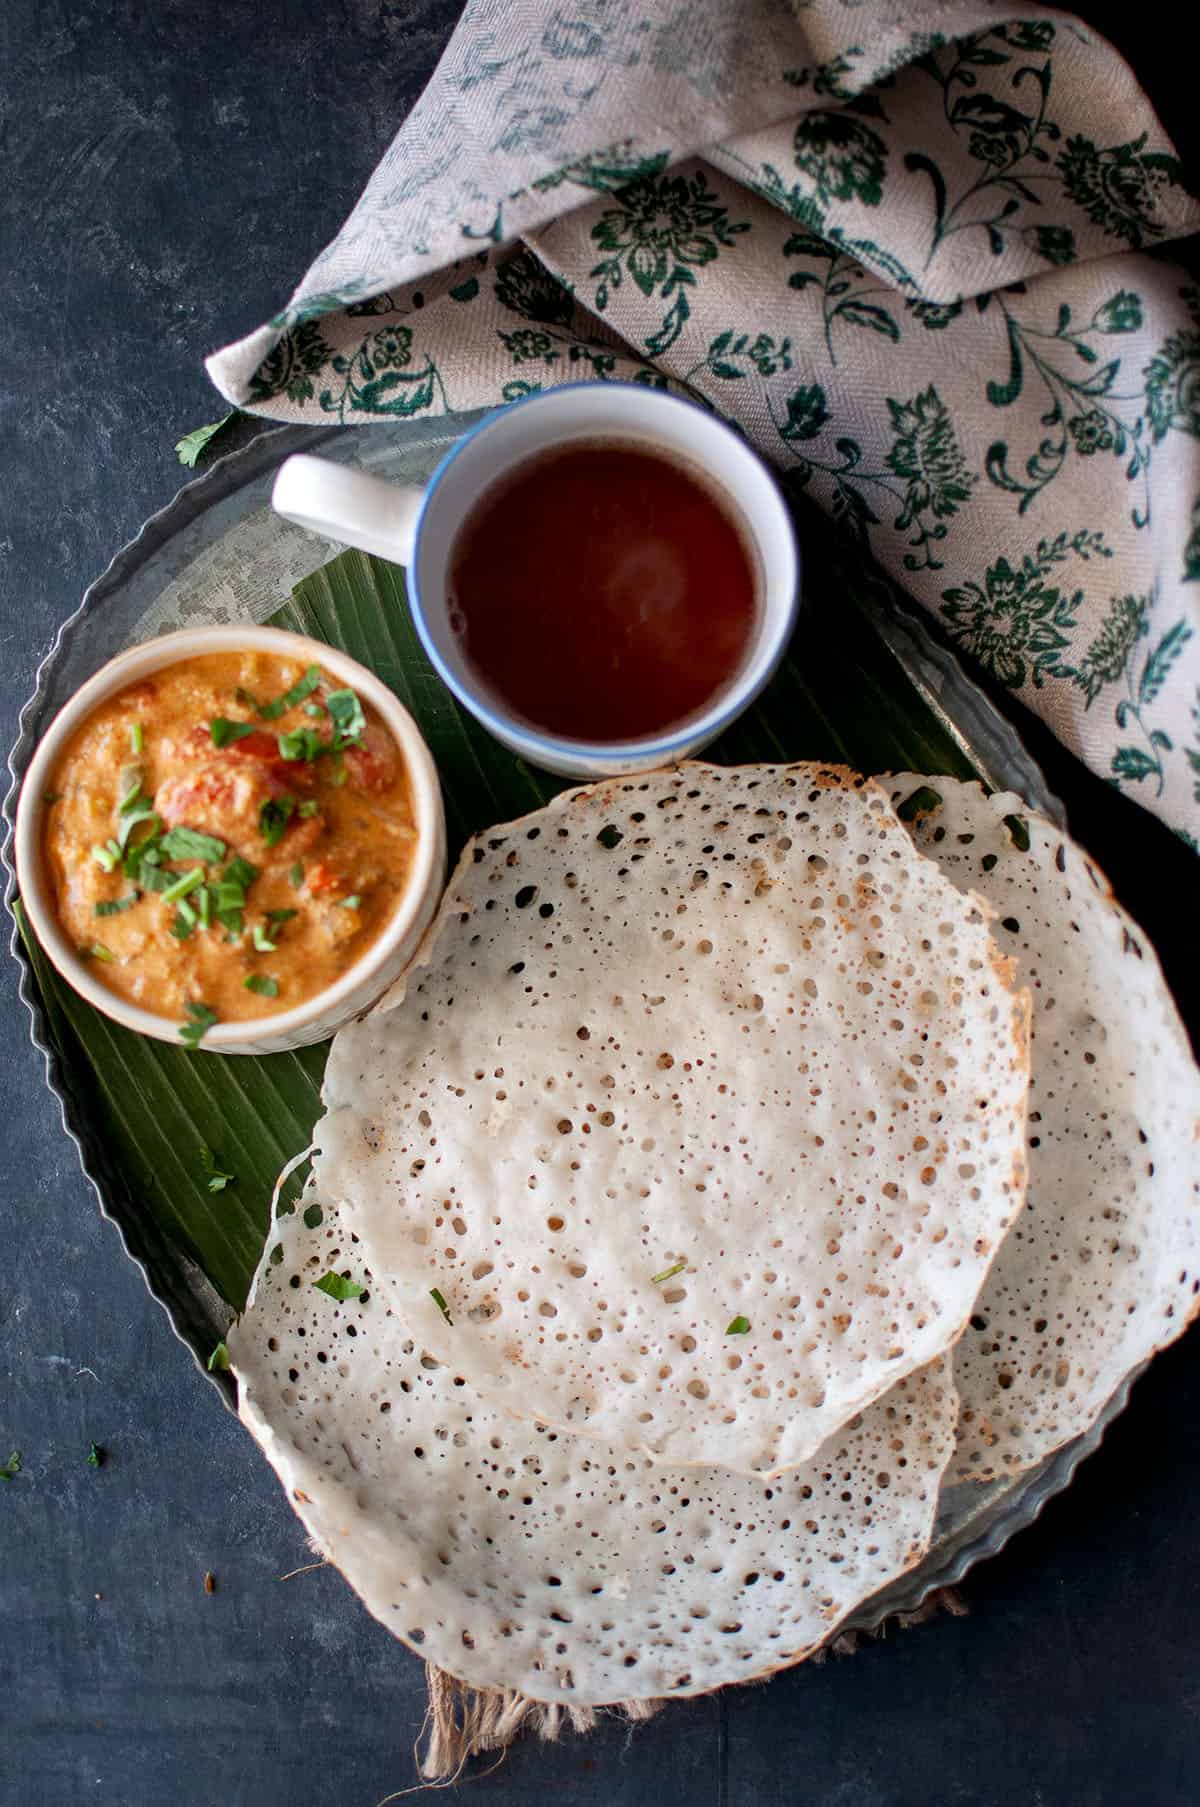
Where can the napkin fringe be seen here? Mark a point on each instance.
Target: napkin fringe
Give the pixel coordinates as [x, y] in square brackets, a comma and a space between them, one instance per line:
[462, 1722]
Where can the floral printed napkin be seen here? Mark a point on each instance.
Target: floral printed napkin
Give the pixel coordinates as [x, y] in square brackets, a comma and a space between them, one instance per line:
[902, 245]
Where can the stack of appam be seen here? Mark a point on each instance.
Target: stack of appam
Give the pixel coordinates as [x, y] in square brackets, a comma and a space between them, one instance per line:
[751, 1153]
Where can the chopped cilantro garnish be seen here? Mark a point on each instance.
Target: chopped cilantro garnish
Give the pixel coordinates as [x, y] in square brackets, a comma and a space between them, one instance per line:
[136, 741]
[335, 1286]
[12, 1468]
[229, 893]
[240, 872]
[263, 984]
[348, 717]
[190, 844]
[668, 1273]
[353, 902]
[186, 882]
[296, 875]
[141, 812]
[131, 790]
[922, 802]
[441, 1304]
[202, 1019]
[217, 1178]
[273, 818]
[262, 940]
[151, 877]
[116, 905]
[1018, 829]
[95, 1456]
[737, 1326]
[301, 743]
[281, 915]
[107, 856]
[98, 951]
[219, 1359]
[309, 808]
[314, 709]
[271, 712]
[223, 731]
[189, 448]
[181, 928]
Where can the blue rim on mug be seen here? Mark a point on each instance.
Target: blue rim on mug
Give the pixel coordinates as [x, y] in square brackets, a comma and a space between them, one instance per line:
[476, 703]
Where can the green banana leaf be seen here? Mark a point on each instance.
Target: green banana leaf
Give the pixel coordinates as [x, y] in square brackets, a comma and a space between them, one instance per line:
[153, 1109]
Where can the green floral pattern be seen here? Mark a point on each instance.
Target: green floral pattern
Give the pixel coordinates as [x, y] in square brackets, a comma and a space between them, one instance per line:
[921, 293]
[661, 232]
[1017, 621]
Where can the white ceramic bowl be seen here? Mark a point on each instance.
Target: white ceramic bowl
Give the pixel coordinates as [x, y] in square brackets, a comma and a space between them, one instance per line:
[381, 964]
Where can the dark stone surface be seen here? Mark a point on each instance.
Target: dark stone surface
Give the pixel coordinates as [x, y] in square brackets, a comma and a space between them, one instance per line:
[168, 171]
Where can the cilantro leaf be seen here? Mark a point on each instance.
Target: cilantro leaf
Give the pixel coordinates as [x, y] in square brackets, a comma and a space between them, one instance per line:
[190, 844]
[217, 1178]
[141, 811]
[348, 717]
[95, 1456]
[300, 743]
[203, 1017]
[270, 712]
[262, 941]
[263, 984]
[116, 905]
[281, 915]
[12, 1467]
[274, 816]
[223, 731]
[240, 872]
[335, 1286]
[152, 878]
[438, 1300]
[189, 448]
[737, 1326]
[219, 1359]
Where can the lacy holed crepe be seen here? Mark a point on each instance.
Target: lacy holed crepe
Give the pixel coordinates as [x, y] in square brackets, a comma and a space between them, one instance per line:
[1102, 1268]
[570, 1571]
[701, 1120]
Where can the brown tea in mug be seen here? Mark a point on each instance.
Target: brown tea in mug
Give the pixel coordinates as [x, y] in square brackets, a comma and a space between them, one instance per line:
[603, 591]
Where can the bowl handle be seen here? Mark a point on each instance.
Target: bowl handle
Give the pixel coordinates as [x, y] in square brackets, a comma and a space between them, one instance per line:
[348, 505]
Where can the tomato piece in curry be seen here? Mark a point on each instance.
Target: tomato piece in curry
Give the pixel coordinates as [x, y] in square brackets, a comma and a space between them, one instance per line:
[224, 838]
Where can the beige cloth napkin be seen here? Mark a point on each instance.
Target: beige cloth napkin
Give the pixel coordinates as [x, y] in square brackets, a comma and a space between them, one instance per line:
[902, 245]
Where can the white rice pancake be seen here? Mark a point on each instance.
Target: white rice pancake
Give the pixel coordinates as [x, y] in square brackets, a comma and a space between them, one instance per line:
[700, 1122]
[515, 1557]
[1103, 1266]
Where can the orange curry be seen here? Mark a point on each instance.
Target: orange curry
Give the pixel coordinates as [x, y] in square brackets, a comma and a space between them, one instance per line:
[226, 837]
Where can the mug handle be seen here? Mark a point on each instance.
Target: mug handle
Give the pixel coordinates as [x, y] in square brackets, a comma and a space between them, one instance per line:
[346, 505]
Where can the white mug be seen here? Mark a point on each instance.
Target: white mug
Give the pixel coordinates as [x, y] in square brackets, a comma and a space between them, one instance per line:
[417, 528]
